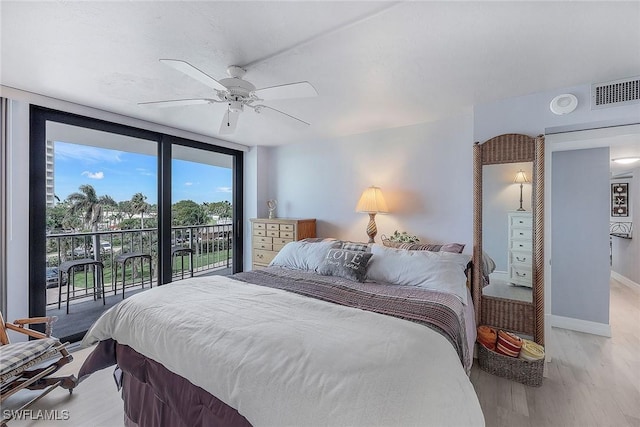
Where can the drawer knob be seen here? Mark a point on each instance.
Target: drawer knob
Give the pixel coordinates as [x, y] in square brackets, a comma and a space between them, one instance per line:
[521, 259]
[521, 274]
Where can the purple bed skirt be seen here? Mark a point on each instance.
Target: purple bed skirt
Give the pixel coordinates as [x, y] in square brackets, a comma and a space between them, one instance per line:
[154, 396]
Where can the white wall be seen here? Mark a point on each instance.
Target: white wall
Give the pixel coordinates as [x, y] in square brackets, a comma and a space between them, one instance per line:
[18, 213]
[424, 171]
[256, 169]
[530, 114]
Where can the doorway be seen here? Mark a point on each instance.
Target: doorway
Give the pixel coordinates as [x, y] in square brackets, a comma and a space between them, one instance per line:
[562, 193]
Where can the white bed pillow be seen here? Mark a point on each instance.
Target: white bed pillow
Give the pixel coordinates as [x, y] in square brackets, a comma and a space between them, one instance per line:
[302, 255]
[438, 271]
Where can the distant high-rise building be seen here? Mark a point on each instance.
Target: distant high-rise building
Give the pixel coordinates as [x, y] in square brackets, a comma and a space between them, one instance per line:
[51, 196]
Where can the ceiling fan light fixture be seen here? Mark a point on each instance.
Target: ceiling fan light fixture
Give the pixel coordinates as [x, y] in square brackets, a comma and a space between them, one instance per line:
[236, 106]
[237, 93]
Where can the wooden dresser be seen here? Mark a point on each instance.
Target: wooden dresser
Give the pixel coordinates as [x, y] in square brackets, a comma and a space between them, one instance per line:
[520, 248]
[268, 236]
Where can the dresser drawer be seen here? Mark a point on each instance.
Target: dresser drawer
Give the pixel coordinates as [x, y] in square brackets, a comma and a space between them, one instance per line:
[273, 226]
[266, 246]
[260, 239]
[521, 233]
[259, 232]
[273, 233]
[521, 245]
[259, 226]
[286, 234]
[521, 221]
[281, 241]
[521, 259]
[520, 276]
[261, 256]
[286, 227]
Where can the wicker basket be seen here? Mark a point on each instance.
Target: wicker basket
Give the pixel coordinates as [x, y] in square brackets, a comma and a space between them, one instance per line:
[520, 370]
[389, 243]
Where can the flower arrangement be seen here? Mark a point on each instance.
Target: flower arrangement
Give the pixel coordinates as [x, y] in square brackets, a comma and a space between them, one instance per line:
[404, 237]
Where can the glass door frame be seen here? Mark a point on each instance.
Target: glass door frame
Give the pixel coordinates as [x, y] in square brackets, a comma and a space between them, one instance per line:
[37, 194]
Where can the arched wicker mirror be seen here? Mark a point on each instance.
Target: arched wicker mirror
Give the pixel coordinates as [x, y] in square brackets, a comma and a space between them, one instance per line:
[523, 259]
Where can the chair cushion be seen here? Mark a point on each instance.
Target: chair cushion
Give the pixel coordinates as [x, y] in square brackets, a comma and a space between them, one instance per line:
[15, 355]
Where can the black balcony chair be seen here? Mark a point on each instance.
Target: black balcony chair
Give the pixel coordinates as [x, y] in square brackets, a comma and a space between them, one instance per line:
[122, 260]
[181, 251]
[68, 267]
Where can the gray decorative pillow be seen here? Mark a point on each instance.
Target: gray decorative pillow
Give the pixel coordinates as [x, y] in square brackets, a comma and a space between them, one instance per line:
[350, 265]
[356, 246]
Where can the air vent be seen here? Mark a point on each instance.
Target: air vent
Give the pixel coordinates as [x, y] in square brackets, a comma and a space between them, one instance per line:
[615, 93]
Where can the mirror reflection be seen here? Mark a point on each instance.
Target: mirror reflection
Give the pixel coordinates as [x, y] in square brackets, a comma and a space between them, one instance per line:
[507, 224]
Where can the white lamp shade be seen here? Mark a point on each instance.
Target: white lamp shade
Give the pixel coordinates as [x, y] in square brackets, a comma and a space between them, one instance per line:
[520, 177]
[372, 201]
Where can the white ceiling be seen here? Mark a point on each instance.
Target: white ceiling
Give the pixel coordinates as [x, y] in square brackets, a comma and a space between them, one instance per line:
[375, 64]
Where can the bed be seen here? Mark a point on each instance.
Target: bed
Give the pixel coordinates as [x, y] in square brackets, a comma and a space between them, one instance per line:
[327, 335]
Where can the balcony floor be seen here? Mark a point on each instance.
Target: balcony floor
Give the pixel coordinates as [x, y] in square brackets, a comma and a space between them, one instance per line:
[83, 312]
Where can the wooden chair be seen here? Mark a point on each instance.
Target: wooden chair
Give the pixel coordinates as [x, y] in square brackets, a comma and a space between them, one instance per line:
[27, 365]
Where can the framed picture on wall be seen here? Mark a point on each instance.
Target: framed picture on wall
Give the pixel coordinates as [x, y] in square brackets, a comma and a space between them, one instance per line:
[620, 199]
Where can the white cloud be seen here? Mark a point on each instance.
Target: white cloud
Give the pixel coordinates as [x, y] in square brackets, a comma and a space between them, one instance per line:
[93, 175]
[224, 190]
[188, 184]
[67, 151]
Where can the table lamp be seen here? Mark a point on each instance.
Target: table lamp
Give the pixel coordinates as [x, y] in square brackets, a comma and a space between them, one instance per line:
[372, 202]
[521, 178]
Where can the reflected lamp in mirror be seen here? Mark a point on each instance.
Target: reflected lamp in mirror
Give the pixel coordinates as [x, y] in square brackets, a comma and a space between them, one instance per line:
[372, 202]
[520, 178]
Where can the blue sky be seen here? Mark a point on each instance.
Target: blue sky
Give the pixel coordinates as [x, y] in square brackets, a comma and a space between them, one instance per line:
[120, 175]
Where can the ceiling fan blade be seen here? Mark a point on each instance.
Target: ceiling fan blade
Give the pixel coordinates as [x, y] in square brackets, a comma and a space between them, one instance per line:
[194, 73]
[229, 122]
[261, 109]
[176, 102]
[291, 90]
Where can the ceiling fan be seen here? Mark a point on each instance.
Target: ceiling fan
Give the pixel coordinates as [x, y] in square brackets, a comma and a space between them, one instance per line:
[236, 93]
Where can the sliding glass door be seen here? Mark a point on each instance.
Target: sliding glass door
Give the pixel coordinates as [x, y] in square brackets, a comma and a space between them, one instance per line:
[115, 210]
[201, 211]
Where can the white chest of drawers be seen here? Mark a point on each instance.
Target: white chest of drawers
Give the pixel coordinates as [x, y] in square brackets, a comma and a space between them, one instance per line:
[520, 248]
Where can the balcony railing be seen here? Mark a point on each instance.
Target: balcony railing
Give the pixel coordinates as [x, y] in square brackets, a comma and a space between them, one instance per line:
[211, 245]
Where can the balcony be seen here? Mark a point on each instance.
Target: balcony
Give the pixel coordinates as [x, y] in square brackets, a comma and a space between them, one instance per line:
[212, 254]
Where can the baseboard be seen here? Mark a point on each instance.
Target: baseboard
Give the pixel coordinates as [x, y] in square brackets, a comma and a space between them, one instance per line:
[624, 280]
[579, 325]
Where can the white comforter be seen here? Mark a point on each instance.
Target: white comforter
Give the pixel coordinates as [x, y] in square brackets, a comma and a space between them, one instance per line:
[282, 359]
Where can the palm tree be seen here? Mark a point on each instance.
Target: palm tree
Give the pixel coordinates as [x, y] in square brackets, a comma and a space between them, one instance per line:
[90, 206]
[139, 205]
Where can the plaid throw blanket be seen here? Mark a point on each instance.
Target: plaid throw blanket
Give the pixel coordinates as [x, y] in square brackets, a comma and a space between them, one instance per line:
[439, 311]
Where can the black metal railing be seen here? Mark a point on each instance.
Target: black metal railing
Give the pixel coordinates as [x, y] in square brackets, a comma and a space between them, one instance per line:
[211, 246]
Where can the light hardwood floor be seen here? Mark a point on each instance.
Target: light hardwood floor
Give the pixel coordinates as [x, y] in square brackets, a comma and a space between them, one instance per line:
[592, 381]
